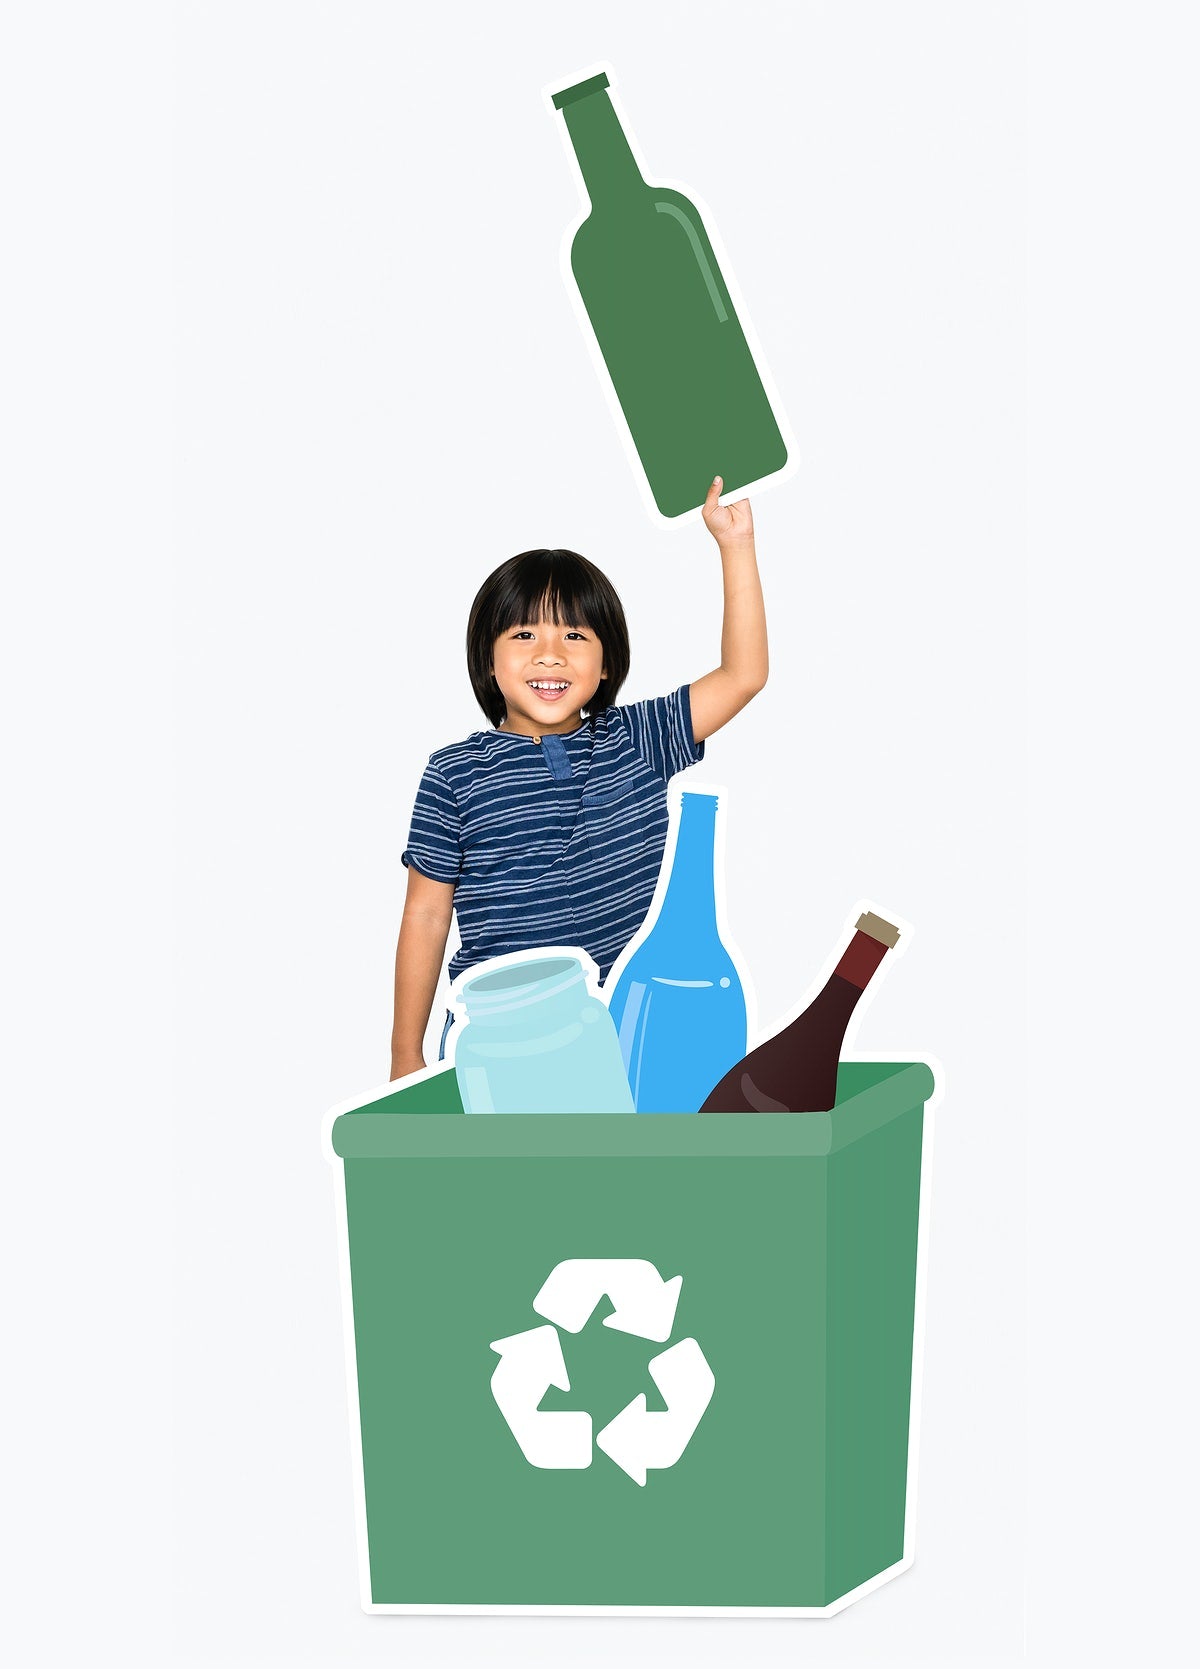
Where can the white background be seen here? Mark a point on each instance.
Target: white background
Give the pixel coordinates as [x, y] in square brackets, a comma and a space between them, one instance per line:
[294, 369]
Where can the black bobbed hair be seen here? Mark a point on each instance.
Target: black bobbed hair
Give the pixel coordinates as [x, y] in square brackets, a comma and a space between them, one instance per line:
[561, 586]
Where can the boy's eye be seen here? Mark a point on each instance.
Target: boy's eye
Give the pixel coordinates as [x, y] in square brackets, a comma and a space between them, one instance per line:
[523, 632]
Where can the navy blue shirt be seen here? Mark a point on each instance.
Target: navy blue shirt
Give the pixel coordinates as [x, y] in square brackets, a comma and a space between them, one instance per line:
[557, 841]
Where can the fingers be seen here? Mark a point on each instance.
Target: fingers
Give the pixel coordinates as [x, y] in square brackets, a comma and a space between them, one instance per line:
[714, 493]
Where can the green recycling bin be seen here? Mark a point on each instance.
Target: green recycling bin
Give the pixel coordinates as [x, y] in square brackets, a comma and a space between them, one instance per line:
[622, 1365]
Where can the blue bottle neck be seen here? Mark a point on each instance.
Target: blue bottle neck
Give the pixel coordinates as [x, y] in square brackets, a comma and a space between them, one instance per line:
[691, 895]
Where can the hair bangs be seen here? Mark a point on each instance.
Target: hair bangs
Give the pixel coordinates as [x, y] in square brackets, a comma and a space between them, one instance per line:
[539, 591]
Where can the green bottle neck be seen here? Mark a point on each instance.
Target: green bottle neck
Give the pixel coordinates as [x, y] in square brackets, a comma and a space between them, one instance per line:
[607, 163]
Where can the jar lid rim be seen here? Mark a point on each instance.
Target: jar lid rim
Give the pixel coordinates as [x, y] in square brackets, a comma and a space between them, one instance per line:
[521, 983]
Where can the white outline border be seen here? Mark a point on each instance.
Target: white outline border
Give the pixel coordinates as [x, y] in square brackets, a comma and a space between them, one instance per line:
[359, 1103]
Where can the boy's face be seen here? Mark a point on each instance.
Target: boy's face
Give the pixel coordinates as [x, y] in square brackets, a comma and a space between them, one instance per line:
[546, 673]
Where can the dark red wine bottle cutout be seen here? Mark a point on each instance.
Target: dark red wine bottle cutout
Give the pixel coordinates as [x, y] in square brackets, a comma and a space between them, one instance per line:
[796, 1070]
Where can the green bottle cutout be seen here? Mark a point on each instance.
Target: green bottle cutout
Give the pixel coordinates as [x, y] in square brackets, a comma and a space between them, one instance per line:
[664, 321]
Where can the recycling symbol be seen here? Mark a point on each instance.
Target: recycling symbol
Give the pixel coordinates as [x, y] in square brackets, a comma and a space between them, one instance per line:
[531, 1362]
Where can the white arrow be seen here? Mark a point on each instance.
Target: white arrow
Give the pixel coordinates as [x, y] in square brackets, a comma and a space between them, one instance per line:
[529, 1364]
[637, 1440]
[643, 1303]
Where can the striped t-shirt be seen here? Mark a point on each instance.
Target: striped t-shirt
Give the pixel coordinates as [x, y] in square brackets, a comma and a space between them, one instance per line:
[557, 841]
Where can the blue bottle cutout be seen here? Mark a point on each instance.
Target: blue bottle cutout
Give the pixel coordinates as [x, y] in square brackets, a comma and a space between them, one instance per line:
[677, 1001]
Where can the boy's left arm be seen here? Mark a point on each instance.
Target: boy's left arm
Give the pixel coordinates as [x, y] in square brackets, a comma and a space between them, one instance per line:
[720, 694]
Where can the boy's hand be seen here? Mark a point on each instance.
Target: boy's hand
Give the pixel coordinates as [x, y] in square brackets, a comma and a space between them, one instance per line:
[729, 524]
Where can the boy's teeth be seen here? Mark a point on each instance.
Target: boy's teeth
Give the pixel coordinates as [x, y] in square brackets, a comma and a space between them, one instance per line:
[545, 684]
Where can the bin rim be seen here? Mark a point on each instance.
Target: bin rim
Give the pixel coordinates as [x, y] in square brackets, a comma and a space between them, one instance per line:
[395, 1133]
[359, 1104]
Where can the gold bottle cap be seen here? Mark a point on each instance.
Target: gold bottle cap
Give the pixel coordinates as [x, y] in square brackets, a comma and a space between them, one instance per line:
[876, 928]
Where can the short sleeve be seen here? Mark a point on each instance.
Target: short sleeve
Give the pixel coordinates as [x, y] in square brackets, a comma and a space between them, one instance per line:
[661, 732]
[434, 842]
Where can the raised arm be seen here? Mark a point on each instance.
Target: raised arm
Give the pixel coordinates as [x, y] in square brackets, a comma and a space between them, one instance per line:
[424, 929]
[742, 673]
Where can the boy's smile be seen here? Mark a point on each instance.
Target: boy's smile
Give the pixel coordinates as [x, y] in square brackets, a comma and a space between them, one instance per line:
[549, 690]
[546, 673]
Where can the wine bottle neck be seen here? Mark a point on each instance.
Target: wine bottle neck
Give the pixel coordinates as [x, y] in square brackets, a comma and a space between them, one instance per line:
[691, 890]
[860, 959]
[607, 163]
